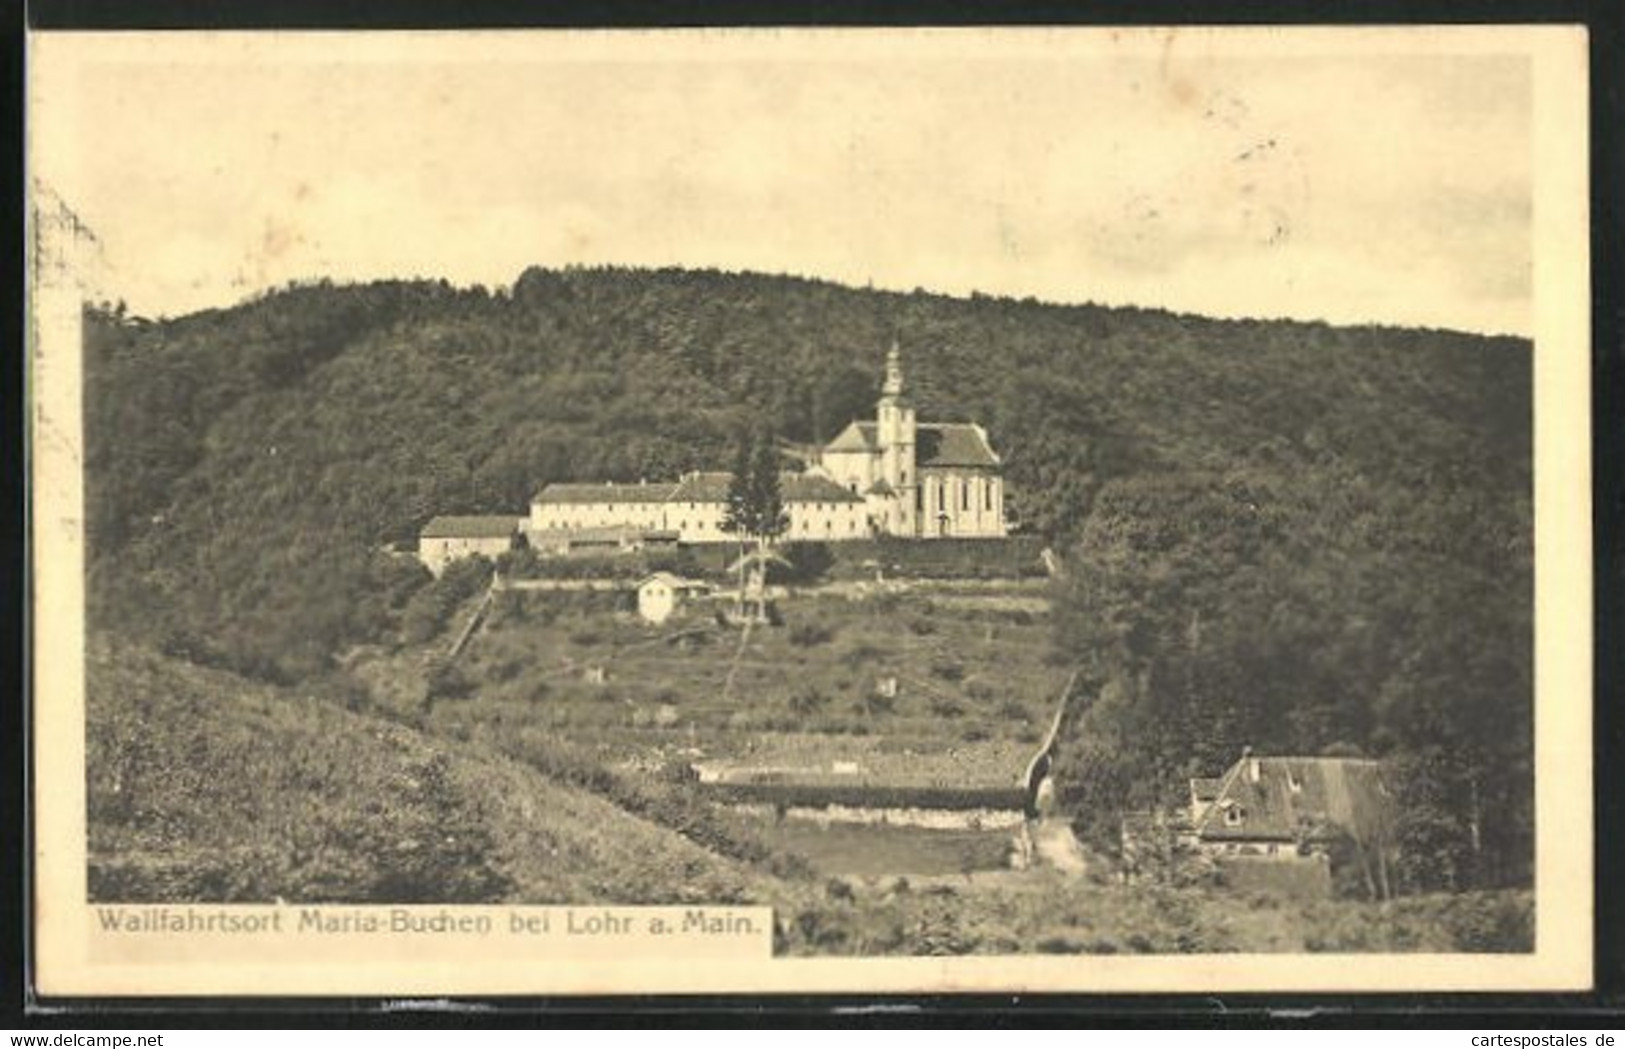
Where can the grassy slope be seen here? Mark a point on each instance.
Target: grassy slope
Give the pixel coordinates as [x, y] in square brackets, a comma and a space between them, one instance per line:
[205, 786]
[976, 690]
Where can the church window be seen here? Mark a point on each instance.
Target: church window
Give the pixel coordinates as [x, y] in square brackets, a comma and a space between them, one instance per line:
[987, 494]
[964, 495]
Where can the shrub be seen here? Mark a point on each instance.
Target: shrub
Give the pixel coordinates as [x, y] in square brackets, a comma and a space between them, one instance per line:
[874, 704]
[807, 635]
[808, 700]
[947, 708]
[862, 653]
[446, 680]
[948, 670]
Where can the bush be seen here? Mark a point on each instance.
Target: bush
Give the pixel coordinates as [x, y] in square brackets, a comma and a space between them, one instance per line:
[947, 708]
[874, 704]
[862, 653]
[807, 635]
[808, 700]
[948, 670]
[446, 680]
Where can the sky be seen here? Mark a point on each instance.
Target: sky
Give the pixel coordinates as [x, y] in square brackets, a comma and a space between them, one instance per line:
[1233, 176]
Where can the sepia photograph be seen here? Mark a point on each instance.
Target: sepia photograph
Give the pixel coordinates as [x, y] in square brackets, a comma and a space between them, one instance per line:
[1048, 498]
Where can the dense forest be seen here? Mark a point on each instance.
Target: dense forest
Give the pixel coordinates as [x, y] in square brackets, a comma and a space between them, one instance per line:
[1282, 535]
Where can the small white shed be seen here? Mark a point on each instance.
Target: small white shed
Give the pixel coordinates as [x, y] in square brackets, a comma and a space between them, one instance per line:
[660, 594]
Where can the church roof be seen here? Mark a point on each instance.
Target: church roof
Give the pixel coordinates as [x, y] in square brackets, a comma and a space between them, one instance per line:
[857, 437]
[952, 444]
[936, 444]
[608, 492]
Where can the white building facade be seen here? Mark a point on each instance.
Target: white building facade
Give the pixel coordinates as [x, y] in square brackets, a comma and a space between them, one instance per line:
[694, 509]
[447, 539]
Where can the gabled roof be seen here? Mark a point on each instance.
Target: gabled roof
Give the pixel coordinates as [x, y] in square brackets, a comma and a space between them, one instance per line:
[813, 488]
[608, 492]
[857, 437]
[935, 444]
[881, 487]
[1295, 798]
[952, 444]
[471, 527]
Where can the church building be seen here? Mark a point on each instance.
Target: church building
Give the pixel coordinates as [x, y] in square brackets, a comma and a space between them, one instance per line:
[921, 480]
[891, 476]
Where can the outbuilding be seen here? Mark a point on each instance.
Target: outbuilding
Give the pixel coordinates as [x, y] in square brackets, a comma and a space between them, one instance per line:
[447, 539]
[662, 593]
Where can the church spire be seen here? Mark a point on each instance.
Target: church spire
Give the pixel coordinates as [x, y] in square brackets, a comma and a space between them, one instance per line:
[894, 371]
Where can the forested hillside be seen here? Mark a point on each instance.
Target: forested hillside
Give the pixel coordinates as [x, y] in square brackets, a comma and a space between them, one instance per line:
[1283, 535]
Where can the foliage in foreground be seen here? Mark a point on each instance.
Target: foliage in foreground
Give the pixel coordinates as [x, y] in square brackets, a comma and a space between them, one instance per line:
[1035, 913]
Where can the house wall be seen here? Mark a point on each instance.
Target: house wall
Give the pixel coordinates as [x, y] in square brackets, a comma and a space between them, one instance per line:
[827, 522]
[437, 553]
[545, 516]
[695, 522]
[656, 602]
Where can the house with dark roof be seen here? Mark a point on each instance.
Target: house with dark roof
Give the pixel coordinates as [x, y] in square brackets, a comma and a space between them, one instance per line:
[446, 539]
[924, 480]
[1297, 804]
[1295, 809]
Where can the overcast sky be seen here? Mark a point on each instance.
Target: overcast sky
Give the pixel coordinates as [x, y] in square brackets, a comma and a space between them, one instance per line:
[1346, 185]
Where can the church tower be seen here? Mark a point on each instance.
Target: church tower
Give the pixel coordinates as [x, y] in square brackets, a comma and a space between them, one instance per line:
[895, 432]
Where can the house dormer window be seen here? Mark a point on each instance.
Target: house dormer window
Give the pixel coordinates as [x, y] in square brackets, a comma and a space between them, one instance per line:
[1233, 815]
[1293, 784]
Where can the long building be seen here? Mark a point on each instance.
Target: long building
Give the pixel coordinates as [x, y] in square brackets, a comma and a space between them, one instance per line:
[693, 508]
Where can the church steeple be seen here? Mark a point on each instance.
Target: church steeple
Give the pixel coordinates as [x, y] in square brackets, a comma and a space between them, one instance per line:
[895, 436]
[894, 371]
